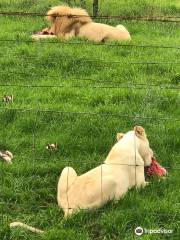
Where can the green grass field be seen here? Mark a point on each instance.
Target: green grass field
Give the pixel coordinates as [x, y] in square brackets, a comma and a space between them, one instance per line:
[116, 89]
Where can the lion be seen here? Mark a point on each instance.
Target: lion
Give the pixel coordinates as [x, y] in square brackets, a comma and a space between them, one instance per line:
[67, 22]
[122, 169]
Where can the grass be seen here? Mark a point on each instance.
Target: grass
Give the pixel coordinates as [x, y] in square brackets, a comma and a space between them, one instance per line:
[28, 187]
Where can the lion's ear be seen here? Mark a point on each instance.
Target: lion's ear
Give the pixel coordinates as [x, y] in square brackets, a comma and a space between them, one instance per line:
[51, 15]
[139, 131]
[80, 15]
[119, 136]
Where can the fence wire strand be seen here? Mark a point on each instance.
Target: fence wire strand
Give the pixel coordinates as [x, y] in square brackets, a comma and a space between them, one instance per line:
[90, 113]
[129, 210]
[68, 161]
[120, 86]
[172, 19]
[90, 44]
[82, 59]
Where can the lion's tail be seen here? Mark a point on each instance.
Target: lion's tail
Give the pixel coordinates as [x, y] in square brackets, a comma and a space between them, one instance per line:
[25, 226]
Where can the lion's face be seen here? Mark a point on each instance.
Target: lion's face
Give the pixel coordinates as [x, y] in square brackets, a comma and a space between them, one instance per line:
[143, 145]
[63, 19]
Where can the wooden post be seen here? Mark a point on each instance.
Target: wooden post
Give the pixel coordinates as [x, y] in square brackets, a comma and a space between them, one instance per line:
[69, 2]
[83, 3]
[95, 8]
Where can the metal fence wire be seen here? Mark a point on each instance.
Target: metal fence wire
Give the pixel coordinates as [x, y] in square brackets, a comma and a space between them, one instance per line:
[173, 19]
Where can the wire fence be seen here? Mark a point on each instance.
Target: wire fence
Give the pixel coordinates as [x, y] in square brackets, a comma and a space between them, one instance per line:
[121, 85]
[92, 83]
[104, 62]
[172, 19]
[135, 167]
[90, 113]
[90, 44]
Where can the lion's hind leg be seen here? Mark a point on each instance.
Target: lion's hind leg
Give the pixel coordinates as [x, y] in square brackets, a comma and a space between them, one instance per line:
[68, 176]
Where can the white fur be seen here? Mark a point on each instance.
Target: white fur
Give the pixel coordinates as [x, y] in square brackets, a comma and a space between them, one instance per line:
[122, 169]
[99, 32]
[111, 180]
[81, 25]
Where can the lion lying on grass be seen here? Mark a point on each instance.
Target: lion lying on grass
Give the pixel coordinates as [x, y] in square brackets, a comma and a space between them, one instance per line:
[67, 22]
[122, 169]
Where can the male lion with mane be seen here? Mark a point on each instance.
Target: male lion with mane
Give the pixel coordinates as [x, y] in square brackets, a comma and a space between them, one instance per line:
[67, 22]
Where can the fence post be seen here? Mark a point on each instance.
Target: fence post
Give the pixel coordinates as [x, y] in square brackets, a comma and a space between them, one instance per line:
[95, 7]
[69, 2]
[83, 3]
